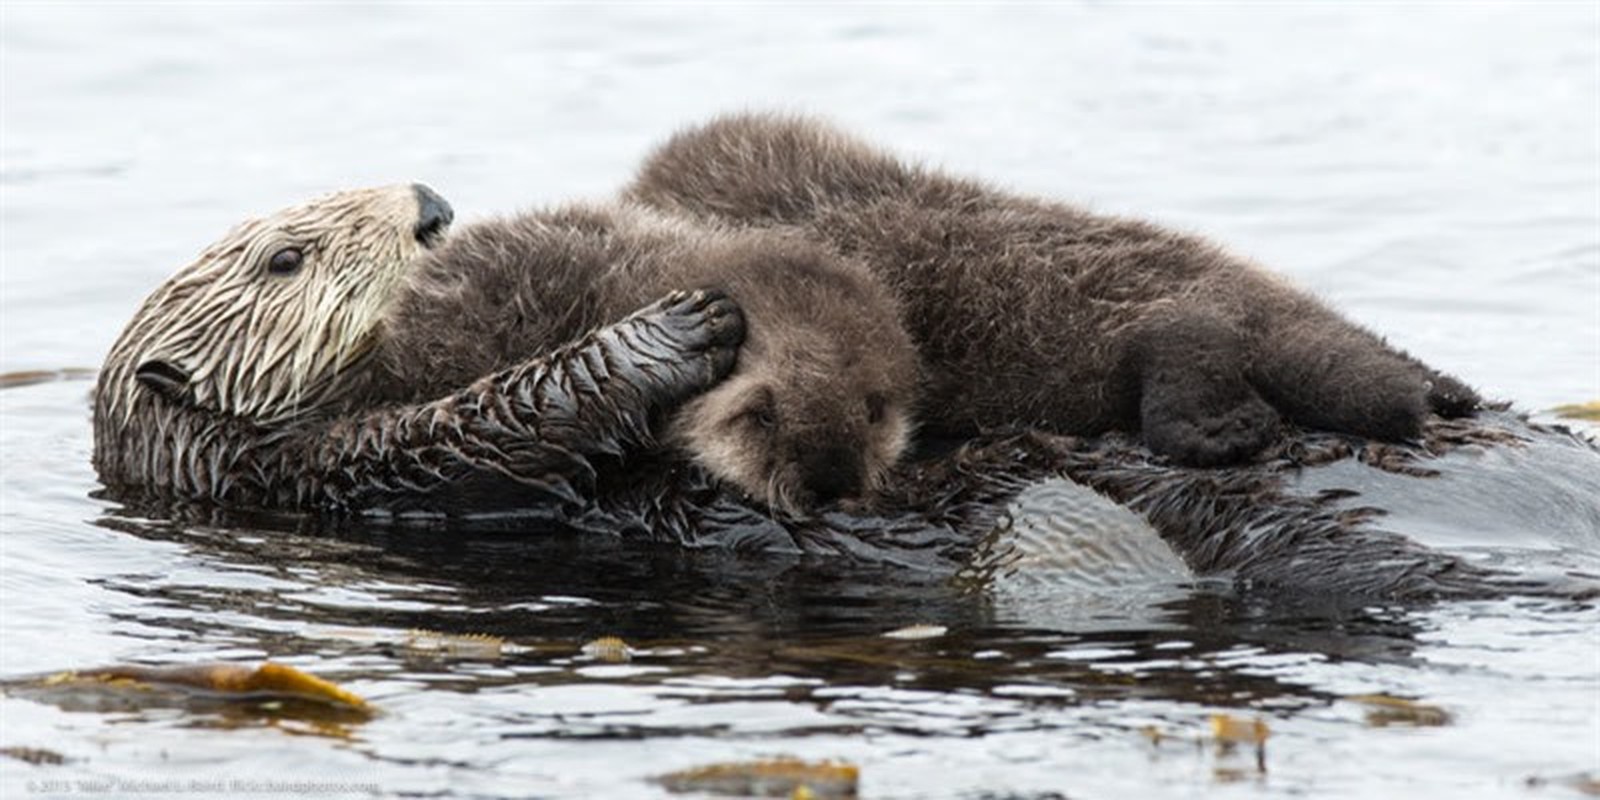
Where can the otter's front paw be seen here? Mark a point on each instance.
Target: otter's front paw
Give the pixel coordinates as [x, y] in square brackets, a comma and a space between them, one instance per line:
[690, 338]
[703, 325]
[1197, 433]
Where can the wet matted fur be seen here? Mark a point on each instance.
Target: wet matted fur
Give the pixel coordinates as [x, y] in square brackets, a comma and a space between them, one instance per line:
[1320, 515]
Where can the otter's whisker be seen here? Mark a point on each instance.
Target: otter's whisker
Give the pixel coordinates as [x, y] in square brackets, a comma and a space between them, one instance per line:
[772, 497]
[787, 504]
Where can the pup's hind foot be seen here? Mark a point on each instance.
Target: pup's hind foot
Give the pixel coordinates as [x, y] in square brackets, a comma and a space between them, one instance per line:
[1206, 428]
[1196, 405]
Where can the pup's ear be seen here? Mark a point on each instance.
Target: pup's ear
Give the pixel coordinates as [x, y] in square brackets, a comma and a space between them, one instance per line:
[164, 378]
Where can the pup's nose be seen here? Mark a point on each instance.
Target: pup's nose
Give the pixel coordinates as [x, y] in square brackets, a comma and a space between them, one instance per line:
[433, 215]
[831, 473]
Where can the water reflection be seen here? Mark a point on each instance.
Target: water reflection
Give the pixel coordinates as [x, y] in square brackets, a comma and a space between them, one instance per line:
[353, 597]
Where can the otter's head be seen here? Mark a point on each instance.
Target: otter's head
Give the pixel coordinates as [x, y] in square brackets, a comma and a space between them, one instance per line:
[820, 406]
[267, 323]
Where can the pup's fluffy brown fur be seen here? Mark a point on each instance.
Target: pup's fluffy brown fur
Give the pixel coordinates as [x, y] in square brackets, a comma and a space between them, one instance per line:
[820, 403]
[1032, 312]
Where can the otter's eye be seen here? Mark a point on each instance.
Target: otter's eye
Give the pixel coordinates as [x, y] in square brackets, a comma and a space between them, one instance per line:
[876, 404]
[761, 412]
[762, 416]
[286, 261]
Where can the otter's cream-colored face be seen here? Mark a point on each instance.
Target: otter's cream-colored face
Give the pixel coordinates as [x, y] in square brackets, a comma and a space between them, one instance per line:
[266, 321]
[804, 421]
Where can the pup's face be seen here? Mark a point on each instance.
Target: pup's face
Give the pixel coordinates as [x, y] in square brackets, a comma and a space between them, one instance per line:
[264, 322]
[806, 418]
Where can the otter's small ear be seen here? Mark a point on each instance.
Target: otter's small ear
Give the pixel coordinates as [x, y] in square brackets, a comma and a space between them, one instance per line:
[163, 377]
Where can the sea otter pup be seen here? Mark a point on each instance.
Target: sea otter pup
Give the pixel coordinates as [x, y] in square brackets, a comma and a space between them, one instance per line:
[820, 405]
[1033, 313]
[250, 379]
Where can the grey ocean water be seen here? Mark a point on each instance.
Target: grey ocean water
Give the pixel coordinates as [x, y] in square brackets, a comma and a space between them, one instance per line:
[1432, 170]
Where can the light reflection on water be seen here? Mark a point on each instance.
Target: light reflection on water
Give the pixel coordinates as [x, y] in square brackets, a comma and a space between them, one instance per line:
[1432, 171]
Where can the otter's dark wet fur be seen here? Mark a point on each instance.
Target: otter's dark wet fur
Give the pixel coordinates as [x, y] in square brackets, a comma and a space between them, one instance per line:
[248, 380]
[543, 439]
[820, 405]
[1035, 313]
[1262, 527]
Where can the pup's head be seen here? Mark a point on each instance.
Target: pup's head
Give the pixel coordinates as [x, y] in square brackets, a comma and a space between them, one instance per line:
[821, 405]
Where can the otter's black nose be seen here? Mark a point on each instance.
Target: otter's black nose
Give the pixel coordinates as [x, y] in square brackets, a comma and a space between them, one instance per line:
[831, 473]
[433, 215]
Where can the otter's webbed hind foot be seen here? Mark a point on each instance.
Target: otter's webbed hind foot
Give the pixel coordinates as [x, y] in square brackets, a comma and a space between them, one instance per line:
[1196, 405]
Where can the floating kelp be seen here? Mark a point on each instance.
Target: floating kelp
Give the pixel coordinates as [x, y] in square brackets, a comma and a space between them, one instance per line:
[1229, 732]
[1384, 710]
[268, 680]
[38, 756]
[425, 645]
[609, 649]
[1589, 411]
[783, 777]
[270, 691]
[480, 646]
